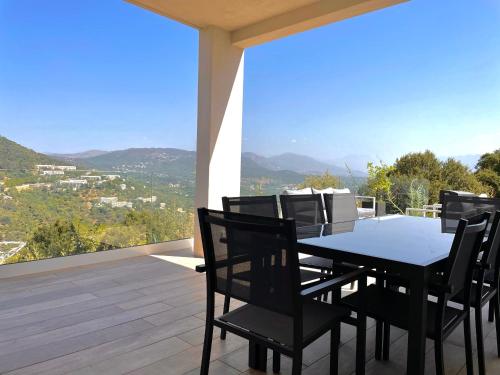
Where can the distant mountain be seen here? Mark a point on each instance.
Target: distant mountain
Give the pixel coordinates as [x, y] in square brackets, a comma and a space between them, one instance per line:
[79, 155]
[300, 164]
[357, 162]
[171, 162]
[175, 163]
[251, 169]
[13, 156]
[164, 162]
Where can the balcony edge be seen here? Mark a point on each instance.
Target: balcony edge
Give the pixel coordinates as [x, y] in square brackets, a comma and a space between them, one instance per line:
[55, 264]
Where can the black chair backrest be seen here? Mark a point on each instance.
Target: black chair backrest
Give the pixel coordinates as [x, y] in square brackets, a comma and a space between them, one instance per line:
[492, 245]
[340, 207]
[259, 205]
[464, 252]
[306, 209]
[455, 207]
[270, 260]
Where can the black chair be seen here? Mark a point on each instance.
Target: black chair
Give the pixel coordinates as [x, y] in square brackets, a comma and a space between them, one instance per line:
[307, 210]
[482, 293]
[266, 206]
[391, 307]
[463, 205]
[340, 207]
[278, 313]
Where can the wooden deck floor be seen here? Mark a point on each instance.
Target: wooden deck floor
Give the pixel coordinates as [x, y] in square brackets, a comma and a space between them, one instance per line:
[145, 315]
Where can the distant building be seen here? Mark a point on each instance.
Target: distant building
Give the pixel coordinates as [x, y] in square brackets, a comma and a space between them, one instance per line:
[93, 178]
[162, 206]
[122, 204]
[148, 200]
[123, 186]
[38, 185]
[51, 173]
[53, 167]
[111, 177]
[181, 210]
[73, 182]
[108, 200]
[5, 197]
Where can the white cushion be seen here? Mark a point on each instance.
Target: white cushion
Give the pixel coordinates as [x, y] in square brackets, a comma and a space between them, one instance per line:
[341, 191]
[366, 212]
[331, 191]
[298, 192]
[323, 191]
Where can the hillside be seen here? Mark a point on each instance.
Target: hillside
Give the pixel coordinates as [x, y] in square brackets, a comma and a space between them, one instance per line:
[13, 156]
[173, 163]
[299, 163]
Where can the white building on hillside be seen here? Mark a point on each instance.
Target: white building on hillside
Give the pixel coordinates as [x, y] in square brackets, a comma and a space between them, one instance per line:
[147, 200]
[108, 200]
[52, 173]
[53, 167]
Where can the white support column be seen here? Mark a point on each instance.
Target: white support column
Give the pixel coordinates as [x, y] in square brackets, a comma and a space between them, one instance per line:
[220, 119]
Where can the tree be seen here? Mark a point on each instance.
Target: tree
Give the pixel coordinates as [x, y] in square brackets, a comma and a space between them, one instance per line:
[457, 176]
[57, 239]
[490, 161]
[323, 181]
[380, 184]
[488, 171]
[489, 178]
[422, 165]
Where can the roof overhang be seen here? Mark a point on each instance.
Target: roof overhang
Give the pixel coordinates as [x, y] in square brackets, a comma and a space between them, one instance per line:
[253, 22]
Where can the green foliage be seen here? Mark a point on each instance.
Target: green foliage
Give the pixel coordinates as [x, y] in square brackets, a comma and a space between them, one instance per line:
[418, 193]
[323, 181]
[489, 178]
[490, 161]
[457, 176]
[380, 184]
[488, 171]
[451, 174]
[60, 238]
[16, 157]
[422, 165]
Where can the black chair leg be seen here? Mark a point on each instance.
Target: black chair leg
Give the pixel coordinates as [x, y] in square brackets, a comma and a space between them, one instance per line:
[225, 310]
[378, 340]
[207, 348]
[297, 363]
[491, 311]
[438, 355]
[386, 345]
[334, 349]
[480, 342]
[276, 362]
[468, 346]
[497, 322]
[360, 344]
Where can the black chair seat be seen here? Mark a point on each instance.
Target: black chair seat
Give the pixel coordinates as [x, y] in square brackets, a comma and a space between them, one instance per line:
[305, 276]
[316, 262]
[487, 294]
[317, 317]
[390, 306]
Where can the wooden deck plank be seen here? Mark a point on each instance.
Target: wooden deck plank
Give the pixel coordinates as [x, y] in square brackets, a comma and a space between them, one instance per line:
[146, 316]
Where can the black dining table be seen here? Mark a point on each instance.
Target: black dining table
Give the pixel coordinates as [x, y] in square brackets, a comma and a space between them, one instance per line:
[412, 247]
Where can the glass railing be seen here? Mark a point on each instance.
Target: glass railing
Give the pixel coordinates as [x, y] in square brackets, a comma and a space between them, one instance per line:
[54, 211]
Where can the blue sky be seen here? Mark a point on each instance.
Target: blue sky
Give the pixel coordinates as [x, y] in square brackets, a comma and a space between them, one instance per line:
[93, 74]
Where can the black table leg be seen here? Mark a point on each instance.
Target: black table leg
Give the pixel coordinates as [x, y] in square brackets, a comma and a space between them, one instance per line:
[417, 324]
[257, 356]
[361, 333]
